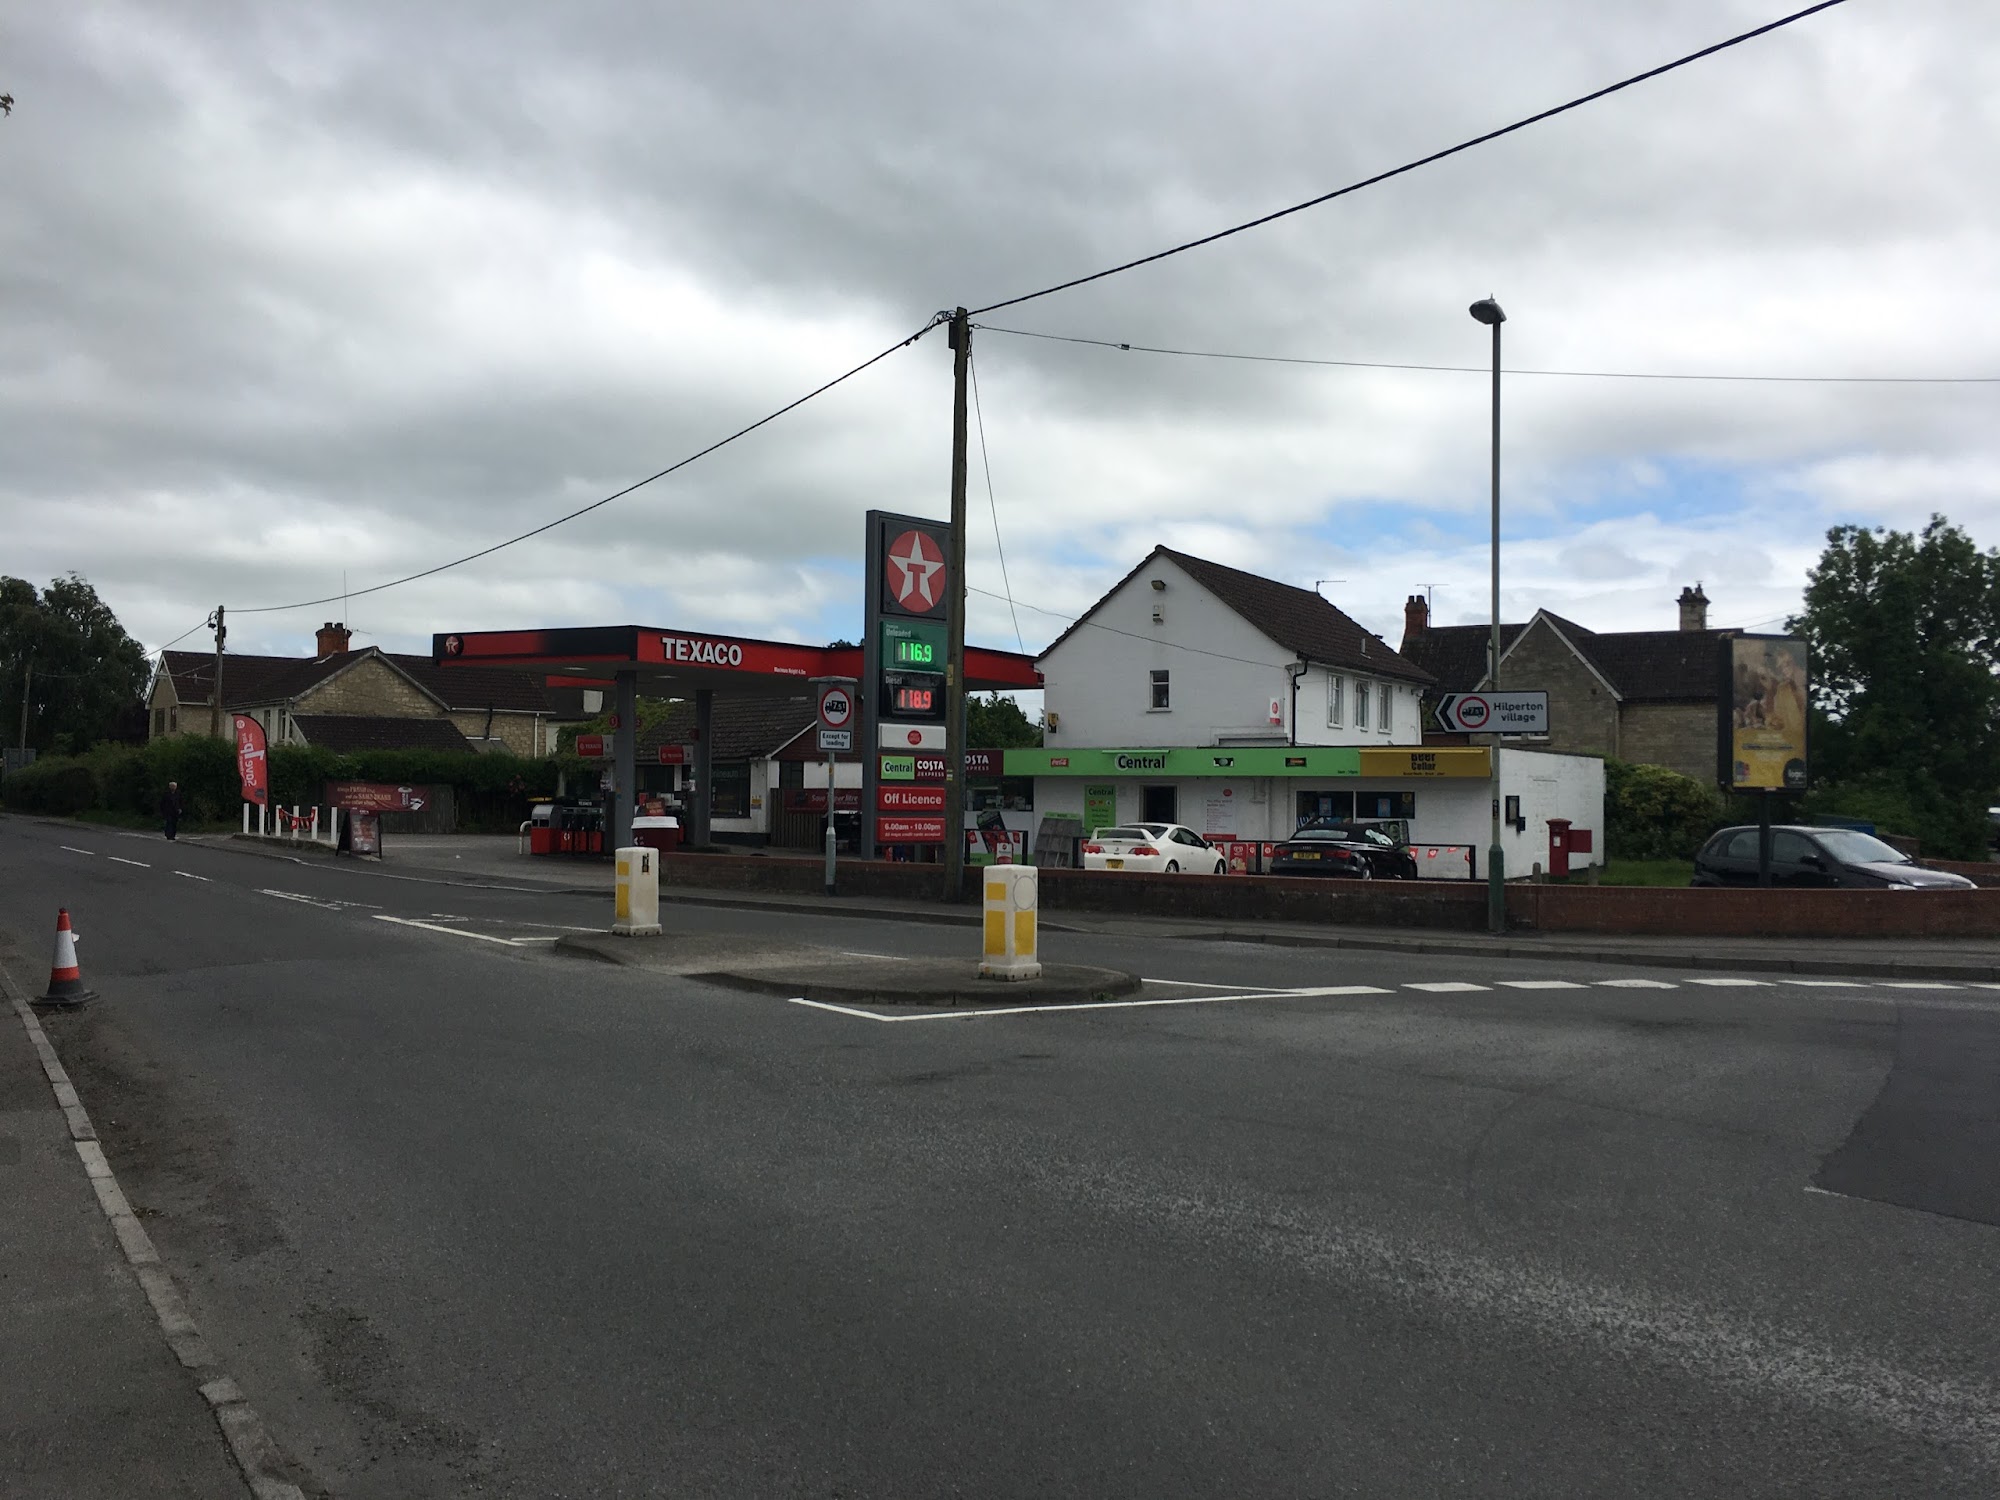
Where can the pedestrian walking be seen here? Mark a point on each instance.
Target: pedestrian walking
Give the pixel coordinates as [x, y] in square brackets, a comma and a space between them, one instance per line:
[170, 808]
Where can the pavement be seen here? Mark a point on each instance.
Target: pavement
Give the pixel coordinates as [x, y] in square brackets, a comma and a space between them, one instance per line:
[94, 1402]
[462, 1215]
[476, 859]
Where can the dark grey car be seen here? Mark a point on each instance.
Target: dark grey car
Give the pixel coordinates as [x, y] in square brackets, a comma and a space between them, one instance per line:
[1807, 856]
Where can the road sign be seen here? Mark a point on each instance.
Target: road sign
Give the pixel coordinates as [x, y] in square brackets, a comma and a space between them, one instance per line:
[836, 739]
[836, 708]
[1495, 713]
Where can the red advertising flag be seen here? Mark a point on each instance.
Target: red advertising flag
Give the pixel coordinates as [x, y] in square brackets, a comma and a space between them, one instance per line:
[251, 764]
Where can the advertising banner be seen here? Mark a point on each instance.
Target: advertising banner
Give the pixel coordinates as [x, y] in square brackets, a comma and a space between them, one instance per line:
[813, 799]
[594, 746]
[909, 830]
[1100, 808]
[909, 799]
[1761, 708]
[252, 767]
[374, 796]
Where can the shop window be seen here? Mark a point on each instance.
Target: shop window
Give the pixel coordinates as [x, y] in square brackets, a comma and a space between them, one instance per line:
[1161, 804]
[1373, 805]
[731, 789]
[1011, 793]
[1387, 716]
[1360, 705]
[1159, 685]
[1313, 805]
[1335, 690]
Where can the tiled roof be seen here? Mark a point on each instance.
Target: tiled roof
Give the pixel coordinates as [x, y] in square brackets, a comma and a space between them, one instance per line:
[1456, 654]
[740, 728]
[1295, 618]
[272, 679]
[1642, 666]
[347, 732]
[503, 688]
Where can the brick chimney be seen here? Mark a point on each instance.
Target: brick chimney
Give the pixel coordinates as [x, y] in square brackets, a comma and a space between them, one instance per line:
[332, 640]
[1694, 609]
[1416, 619]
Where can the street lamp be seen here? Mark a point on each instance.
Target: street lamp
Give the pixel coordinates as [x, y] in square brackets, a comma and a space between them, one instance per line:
[1488, 311]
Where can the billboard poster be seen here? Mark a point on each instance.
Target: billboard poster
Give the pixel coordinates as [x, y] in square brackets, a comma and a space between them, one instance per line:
[1761, 704]
[252, 767]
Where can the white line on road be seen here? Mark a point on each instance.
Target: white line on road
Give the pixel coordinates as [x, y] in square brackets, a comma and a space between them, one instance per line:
[74, 850]
[1830, 984]
[854, 953]
[115, 859]
[186, 875]
[1541, 984]
[1029, 1010]
[1192, 984]
[1919, 984]
[479, 937]
[1734, 983]
[1637, 984]
[1446, 987]
[302, 900]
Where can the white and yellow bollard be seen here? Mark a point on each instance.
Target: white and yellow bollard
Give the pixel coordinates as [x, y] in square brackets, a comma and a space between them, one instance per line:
[637, 913]
[1012, 901]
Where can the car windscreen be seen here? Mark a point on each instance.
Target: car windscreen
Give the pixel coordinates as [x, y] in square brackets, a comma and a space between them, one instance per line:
[1125, 835]
[1852, 847]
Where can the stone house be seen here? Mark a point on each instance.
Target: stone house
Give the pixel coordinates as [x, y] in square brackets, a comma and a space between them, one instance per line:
[1638, 695]
[345, 700]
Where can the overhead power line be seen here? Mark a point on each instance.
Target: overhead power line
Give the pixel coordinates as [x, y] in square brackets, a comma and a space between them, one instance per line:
[271, 609]
[986, 462]
[1411, 166]
[1376, 364]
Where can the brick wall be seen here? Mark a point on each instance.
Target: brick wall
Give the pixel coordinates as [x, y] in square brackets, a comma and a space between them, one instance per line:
[1583, 716]
[1676, 912]
[1679, 736]
[371, 687]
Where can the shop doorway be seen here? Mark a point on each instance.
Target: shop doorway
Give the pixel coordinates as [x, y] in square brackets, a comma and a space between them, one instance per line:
[1159, 804]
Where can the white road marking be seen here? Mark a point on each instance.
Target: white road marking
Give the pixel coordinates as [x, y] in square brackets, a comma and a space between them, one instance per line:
[1919, 984]
[1192, 984]
[1830, 984]
[186, 876]
[1637, 984]
[1734, 983]
[1029, 1010]
[1541, 984]
[118, 860]
[478, 937]
[74, 850]
[893, 957]
[1446, 987]
[302, 900]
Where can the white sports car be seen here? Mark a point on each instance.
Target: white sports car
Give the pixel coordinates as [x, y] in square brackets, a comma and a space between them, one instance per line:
[1153, 849]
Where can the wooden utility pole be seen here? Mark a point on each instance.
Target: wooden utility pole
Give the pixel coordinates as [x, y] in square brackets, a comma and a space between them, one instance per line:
[215, 706]
[954, 672]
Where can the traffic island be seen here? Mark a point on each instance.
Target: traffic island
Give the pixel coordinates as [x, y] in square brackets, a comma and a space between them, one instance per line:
[842, 979]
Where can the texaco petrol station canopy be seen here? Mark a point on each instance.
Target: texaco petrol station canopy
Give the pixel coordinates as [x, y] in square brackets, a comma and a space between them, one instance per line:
[683, 662]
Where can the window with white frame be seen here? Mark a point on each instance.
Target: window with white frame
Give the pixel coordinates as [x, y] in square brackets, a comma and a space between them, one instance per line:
[1388, 704]
[1159, 688]
[1335, 691]
[1360, 704]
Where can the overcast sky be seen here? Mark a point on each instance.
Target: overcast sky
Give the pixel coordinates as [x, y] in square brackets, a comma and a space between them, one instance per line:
[309, 296]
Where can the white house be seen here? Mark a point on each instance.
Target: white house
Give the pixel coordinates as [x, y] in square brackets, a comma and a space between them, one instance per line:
[1239, 706]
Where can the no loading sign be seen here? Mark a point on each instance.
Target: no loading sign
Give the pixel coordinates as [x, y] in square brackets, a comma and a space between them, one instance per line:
[836, 706]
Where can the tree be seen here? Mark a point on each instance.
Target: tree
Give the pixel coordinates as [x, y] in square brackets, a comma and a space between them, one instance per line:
[997, 723]
[66, 651]
[1905, 638]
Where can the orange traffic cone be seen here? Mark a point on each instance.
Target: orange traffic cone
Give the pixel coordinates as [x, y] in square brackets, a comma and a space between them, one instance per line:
[66, 991]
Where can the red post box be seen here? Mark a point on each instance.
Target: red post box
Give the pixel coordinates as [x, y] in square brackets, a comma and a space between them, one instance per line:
[1559, 848]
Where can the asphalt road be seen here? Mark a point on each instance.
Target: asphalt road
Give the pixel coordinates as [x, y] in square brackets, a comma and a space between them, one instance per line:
[465, 1217]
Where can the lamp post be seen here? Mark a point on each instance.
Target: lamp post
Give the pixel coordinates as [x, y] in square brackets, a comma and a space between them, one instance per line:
[1488, 311]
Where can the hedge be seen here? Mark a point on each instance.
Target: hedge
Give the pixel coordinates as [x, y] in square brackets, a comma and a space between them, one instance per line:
[493, 792]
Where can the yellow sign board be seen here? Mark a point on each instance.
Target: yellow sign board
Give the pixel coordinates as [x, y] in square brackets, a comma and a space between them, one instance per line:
[1468, 762]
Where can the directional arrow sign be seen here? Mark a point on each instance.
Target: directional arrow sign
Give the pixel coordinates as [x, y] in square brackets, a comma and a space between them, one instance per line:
[1495, 713]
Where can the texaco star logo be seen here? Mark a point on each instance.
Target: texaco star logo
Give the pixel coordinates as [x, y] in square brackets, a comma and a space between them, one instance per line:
[915, 572]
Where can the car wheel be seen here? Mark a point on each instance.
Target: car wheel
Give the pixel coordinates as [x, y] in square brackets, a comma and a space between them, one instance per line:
[1222, 867]
[1173, 867]
[1364, 873]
